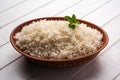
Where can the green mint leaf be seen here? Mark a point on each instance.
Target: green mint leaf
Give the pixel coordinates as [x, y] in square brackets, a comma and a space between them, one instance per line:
[72, 21]
[72, 26]
[69, 19]
[74, 18]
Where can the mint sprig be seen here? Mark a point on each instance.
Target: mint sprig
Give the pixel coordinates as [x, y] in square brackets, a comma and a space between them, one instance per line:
[73, 22]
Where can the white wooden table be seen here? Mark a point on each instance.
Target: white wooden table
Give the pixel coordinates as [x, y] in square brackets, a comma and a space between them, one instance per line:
[105, 13]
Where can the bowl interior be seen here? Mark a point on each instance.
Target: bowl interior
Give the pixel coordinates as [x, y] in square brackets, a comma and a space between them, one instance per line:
[63, 61]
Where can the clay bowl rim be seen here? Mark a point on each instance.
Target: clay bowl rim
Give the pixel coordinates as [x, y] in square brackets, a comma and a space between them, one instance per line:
[19, 27]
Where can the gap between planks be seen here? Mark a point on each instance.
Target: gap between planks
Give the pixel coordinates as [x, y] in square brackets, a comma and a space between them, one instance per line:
[116, 76]
[11, 62]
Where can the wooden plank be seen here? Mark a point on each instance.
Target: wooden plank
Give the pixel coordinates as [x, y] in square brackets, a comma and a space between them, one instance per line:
[20, 10]
[54, 73]
[104, 65]
[84, 8]
[19, 70]
[8, 54]
[105, 13]
[7, 4]
[98, 70]
[113, 29]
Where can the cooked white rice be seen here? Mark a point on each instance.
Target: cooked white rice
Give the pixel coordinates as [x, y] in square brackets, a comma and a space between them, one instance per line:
[55, 40]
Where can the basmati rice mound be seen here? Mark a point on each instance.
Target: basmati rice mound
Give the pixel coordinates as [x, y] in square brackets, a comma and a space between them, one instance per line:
[53, 39]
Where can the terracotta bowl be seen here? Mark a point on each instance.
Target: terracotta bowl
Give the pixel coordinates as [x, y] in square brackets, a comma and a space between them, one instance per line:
[65, 62]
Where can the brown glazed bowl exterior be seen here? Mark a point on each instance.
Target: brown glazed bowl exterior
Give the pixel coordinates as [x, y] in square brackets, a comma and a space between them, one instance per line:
[62, 62]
